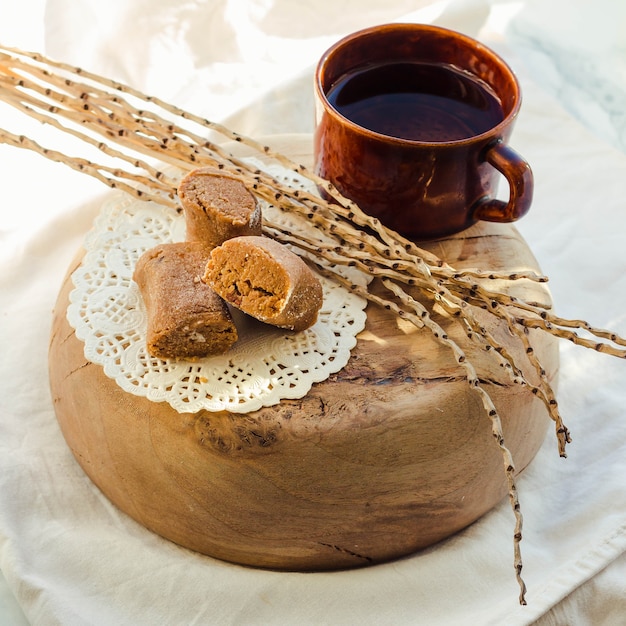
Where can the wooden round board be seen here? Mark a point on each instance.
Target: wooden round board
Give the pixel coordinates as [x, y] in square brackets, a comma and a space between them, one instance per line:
[391, 454]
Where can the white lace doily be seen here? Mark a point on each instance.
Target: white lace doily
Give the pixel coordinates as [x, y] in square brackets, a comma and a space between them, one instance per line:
[266, 364]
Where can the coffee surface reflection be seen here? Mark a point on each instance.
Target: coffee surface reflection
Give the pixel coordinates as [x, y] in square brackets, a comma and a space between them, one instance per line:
[433, 102]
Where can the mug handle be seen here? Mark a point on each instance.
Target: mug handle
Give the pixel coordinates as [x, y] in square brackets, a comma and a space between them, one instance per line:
[520, 178]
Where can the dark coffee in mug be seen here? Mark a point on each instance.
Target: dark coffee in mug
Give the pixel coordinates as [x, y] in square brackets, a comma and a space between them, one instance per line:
[432, 102]
[413, 124]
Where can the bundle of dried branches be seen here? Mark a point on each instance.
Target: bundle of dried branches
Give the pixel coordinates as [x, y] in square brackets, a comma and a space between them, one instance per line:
[147, 133]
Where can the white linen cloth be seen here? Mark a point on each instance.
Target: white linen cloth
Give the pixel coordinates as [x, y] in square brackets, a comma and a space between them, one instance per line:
[71, 558]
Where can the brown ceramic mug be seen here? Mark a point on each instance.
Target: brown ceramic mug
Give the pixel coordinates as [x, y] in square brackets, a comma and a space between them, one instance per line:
[412, 123]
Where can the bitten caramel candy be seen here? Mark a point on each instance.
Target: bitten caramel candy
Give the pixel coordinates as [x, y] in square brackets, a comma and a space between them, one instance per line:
[217, 207]
[186, 318]
[266, 280]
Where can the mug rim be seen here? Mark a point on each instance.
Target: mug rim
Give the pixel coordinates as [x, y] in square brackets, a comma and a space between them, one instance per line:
[496, 131]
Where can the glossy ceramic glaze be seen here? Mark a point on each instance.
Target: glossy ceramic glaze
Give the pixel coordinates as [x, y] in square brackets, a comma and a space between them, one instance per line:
[424, 190]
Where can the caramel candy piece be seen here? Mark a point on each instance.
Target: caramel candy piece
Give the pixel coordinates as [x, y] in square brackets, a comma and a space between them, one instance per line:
[186, 318]
[266, 280]
[217, 206]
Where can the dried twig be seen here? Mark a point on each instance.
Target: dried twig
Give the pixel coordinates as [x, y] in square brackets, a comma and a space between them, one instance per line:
[99, 113]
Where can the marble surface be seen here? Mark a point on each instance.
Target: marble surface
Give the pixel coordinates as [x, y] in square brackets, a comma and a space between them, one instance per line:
[577, 53]
[570, 54]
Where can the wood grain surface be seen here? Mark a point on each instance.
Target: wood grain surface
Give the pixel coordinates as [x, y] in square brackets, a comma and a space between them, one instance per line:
[391, 454]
